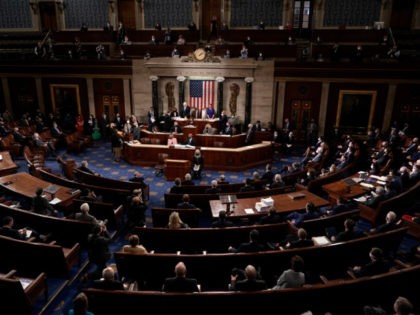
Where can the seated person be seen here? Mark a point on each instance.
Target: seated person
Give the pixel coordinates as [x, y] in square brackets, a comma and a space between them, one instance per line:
[8, 229]
[41, 205]
[377, 265]
[172, 140]
[137, 178]
[187, 180]
[134, 246]
[175, 128]
[247, 186]
[197, 164]
[175, 222]
[348, 234]
[222, 180]
[213, 189]
[176, 188]
[391, 223]
[84, 215]
[293, 277]
[253, 245]
[250, 283]
[185, 204]
[108, 281]
[302, 240]
[80, 305]
[84, 168]
[208, 130]
[296, 218]
[271, 217]
[278, 182]
[180, 283]
[222, 221]
[190, 140]
[342, 206]
[136, 212]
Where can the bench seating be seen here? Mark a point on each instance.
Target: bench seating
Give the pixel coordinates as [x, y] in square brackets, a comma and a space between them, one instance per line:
[8, 143]
[23, 297]
[398, 204]
[103, 211]
[345, 298]
[32, 258]
[160, 216]
[202, 200]
[115, 196]
[213, 240]
[110, 182]
[213, 270]
[66, 232]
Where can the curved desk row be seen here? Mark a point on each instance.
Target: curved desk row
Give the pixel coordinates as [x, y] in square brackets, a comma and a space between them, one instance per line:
[228, 159]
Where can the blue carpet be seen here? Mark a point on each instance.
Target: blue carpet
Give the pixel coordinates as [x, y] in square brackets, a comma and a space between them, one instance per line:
[100, 160]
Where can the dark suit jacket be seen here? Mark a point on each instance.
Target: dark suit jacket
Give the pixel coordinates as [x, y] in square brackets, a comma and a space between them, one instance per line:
[108, 285]
[13, 233]
[185, 112]
[185, 205]
[178, 284]
[248, 285]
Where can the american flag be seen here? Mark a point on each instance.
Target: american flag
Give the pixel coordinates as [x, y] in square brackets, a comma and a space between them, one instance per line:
[201, 93]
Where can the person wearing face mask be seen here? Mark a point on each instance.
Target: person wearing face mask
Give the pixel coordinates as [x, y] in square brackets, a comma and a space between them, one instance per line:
[197, 164]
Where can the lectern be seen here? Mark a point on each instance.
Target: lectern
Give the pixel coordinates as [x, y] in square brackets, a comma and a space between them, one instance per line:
[176, 168]
[228, 200]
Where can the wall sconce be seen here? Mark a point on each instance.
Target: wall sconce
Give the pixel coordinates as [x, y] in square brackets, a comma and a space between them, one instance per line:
[34, 6]
[111, 5]
[60, 5]
[141, 5]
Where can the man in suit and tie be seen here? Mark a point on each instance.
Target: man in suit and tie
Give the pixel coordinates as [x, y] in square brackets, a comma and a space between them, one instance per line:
[185, 111]
[249, 139]
[190, 140]
[228, 130]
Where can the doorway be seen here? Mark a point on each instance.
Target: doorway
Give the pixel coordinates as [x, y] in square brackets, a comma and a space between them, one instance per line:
[302, 17]
[127, 13]
[402, 14]
[48, 14]
[210, 11]
[301, 114]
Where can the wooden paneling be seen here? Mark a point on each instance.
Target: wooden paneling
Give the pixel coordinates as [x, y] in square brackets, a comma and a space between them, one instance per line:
[127, 13]
[108, 88]
[210, 9]
[48, 15]
[407, 107]
[23, 96]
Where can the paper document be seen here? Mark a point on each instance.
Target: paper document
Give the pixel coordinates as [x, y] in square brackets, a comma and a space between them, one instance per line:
[360, 199]
[321, 240]
[366, 185]
[249, 211]
[55, 201]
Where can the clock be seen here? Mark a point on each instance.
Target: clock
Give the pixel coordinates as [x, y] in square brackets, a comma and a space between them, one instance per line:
[200, 54]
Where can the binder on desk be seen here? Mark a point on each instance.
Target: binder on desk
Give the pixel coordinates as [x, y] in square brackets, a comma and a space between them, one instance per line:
[51, 189]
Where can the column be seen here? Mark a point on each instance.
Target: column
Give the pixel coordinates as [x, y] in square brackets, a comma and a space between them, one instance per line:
[219, 81]
[155, 96]
[127, 97]
[248, 101]
[323, 108]
[91, 96]
[181, 91]
[40, 94]
[7, 97]
[389, 107]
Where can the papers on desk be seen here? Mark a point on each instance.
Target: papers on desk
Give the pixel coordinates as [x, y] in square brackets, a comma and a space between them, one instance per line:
[55, 201]
[367, 185]
[249, 210]
[25, 282]
[360, 199]
[381, 182]
[28, 233]
[321, 240]
[382, 178]
[357, 180]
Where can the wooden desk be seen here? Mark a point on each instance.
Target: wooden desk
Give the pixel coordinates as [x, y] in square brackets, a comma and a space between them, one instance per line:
[199, 123]
[343, 189]
[25, 185]
[7, 166]
[176, 168]
[282, 202]
[229, 159]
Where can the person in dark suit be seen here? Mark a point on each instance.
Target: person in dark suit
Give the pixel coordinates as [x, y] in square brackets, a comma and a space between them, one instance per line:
[213, 189]
[247, 186]
[250, 283]
[249, 138]
[98, 250]
[137, 178]
[180, 283]
[222, 221]
[311, 212]
[348, 234]
[391, 223]
[253, 245]
[228, 130]
[8, 230]
[377, 265]
[84, 168]
[176, 188]
[185, 111]
[187, 180]
[223, 120]
[302, 240]
[268, 174]
[41, 205]
[108, 281]
[190, 140]
[185, 204]
[277, 182]
[175, 128]
[271, 217]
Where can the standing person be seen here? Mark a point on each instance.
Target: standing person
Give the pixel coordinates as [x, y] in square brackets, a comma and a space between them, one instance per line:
[121, 32]
[185, 111]
[213, 28]
[197, 164]
[116, 143]
[250, 283]
[80, 305]
[98, 249]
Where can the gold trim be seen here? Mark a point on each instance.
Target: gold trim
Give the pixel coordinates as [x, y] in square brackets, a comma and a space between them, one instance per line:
[356, 92]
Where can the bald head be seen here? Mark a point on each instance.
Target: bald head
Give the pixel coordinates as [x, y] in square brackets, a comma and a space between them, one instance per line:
[251, 272]
[180, 269]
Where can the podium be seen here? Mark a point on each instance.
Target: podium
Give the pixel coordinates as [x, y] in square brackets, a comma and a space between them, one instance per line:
[176, 168]
[228, 200]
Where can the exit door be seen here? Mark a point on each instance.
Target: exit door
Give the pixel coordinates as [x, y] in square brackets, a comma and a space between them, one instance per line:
[301, 114]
